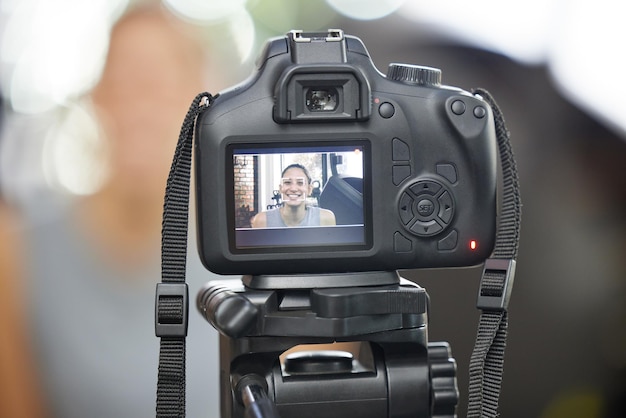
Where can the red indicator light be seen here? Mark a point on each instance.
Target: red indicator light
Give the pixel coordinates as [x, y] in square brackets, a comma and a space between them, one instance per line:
[473, 244]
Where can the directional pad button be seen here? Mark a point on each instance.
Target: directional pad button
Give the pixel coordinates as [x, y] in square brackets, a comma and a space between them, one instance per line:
[426, 187]
[426, 208]
[445, 207]
[426, 228]
[406, 208]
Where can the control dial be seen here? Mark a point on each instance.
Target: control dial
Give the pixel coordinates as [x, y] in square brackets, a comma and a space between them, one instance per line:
[415, 74]
[426, 208]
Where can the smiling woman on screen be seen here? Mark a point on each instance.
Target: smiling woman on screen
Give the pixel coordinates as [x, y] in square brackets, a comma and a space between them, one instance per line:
[295, 186]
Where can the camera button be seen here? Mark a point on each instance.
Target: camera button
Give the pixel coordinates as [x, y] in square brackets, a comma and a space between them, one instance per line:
[449, 242]
[448, 171]
[401, 244]
[426, 187]
[386, 110]
[426, 228]
[400, 150]
[399, 173]
[406, 208]
[458, 107]
[425, 208]
[445, 207]
[480, 112]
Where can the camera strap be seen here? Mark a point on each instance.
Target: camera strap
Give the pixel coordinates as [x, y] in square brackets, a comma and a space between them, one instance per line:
[487, 360]
[172, 295]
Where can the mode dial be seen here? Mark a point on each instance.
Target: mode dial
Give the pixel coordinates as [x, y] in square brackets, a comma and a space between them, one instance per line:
[415, 74]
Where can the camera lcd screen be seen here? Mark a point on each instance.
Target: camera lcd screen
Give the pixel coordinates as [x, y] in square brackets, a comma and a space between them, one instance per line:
[299, 197]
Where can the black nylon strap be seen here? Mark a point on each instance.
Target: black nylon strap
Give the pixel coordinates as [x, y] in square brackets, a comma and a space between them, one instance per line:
[171, 384]
[487, 364]
[171, 302]
[487, 361]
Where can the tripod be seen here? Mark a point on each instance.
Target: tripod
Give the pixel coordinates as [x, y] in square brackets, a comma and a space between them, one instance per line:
[396, 372]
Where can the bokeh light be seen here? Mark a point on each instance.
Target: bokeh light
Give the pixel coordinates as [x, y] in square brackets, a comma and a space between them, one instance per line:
[241, 28]
[366, 9]
[517, 29]
[584, 62]
[53, 51]
[576, 40]
[277, 17]
[205, 11]
[75, 152]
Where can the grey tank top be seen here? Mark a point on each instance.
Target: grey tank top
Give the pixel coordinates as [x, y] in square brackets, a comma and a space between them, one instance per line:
[311, 218]
[94, 329]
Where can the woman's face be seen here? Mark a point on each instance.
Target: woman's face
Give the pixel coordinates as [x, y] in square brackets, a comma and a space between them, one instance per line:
[295, 187]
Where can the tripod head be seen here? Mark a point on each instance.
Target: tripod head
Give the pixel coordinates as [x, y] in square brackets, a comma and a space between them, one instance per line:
[395, 372]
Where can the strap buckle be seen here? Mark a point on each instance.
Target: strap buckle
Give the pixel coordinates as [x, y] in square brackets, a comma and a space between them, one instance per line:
[496, 284]
[171, 310]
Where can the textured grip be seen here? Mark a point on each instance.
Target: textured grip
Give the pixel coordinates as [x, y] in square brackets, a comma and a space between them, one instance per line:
[415, 74]
[230, 313]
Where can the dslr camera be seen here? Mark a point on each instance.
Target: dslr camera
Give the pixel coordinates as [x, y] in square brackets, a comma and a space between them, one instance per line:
[317, 180]
[406, 165]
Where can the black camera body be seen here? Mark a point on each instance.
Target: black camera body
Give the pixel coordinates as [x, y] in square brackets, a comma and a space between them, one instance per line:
[424, 154]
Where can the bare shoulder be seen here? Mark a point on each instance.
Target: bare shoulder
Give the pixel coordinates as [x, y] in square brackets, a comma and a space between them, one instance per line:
[327, 217]
[259, 220]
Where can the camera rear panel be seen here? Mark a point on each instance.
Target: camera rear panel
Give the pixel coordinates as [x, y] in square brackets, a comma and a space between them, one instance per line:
[425, 195]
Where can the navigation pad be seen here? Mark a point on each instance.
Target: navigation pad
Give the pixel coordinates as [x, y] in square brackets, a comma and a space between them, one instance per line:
[426, 208]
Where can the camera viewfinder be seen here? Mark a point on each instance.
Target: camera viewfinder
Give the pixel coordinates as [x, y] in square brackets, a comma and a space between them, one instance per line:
[321, 99]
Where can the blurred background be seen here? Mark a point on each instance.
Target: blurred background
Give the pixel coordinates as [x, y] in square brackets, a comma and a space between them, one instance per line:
[554, 66]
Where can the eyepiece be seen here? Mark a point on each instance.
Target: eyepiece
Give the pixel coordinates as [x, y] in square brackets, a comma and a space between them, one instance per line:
[321, 99]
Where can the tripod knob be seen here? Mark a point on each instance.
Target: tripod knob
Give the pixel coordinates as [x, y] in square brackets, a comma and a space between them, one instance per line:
[229, 312]
[318, 362]
[445, 393]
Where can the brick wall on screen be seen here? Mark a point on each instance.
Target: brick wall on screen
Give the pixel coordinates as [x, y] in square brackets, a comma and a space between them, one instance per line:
[245, 193]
